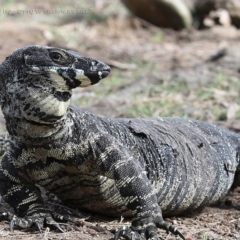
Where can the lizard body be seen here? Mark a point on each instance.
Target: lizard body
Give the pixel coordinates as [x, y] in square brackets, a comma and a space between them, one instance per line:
[117, 167]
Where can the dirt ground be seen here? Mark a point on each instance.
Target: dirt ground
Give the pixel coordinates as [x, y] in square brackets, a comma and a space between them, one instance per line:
[190, 74]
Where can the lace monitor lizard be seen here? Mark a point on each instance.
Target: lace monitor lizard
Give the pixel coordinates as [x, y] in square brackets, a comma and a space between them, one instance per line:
[120, 167]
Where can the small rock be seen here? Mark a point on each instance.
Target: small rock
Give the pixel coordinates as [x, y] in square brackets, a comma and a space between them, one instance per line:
[163, 13]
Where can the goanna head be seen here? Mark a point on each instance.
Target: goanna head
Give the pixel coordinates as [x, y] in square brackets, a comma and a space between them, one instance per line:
[36, 82]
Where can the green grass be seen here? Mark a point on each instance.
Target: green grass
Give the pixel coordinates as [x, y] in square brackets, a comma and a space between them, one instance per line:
[107, 86]
[158, 37]
[169, 96]
[175, 97]
[205, 236]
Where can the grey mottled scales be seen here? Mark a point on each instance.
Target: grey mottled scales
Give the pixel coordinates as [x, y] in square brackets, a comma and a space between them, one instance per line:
[3, 143]
[205, 155]
[137, 167]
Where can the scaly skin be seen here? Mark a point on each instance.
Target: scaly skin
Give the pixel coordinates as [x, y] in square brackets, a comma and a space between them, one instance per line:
[129, 167]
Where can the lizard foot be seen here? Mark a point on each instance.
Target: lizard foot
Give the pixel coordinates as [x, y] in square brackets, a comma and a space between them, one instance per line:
[127, 233]
[39, 220]
[146, 230]
[130, 234]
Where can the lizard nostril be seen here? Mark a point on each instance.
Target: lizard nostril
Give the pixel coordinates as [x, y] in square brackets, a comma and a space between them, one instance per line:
[106, 69]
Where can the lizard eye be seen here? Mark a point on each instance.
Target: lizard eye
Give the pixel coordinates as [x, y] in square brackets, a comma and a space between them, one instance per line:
[56, 56]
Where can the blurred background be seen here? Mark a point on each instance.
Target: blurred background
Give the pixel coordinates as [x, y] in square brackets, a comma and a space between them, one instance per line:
[178, 58]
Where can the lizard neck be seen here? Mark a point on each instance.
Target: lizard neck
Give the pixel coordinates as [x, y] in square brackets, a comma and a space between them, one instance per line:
[36, 114]
[34, 133]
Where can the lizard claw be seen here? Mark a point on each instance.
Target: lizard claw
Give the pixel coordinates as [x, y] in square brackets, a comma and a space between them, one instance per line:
[11, 225]
[15, 221]
[37, 220]
[39, 226]
[51, 222]
[169, 228]
[144, 229]
[27, 222]
[133, 236]
[24, 223]
[128, 234]
[57, 226]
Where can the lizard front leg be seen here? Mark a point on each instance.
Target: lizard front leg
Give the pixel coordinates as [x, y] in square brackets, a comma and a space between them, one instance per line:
[115, 162]
[25, 199]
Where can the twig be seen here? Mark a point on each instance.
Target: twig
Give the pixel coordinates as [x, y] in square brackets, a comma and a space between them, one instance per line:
[120, 65]
[219, 54]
